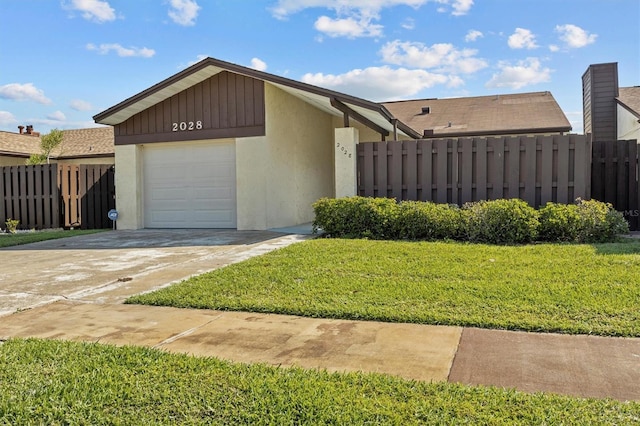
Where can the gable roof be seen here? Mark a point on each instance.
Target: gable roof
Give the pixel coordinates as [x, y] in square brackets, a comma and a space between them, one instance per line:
[629, 97]
[523, 113]
[77, 143]
[334, 103]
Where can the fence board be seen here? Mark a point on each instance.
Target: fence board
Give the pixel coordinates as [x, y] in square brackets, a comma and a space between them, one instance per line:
[441, 172]
[395, 169]
[48, 196]
[530, 163]
[562, 144]
[514, 168]
[499, 160]
[546, 179]
[411, 178]
[368, 170]
[382, 168]
[466, 146]
[481, 174]
[426, 164]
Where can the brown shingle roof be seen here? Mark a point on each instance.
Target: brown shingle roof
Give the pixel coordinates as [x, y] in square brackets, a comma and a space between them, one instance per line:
[630, 98]
[86, 142]
[524, 113]
[78, 143]
[17, 145]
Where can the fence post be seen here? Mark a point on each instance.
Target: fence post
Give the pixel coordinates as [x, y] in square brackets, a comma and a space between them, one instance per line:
[345, 162]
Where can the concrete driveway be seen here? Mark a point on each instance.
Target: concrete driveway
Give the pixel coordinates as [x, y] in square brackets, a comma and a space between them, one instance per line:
[109, 267]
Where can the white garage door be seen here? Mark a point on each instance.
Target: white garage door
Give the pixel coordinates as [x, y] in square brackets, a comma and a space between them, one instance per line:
[189, 185]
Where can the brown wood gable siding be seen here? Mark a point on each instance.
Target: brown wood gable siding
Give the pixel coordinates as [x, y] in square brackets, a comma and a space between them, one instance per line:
[226, 105]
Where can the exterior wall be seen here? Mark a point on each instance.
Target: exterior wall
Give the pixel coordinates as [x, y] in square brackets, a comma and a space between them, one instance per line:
[12, 161]
[100, 160]
[628, 126]
[281, 174]
[129, 186]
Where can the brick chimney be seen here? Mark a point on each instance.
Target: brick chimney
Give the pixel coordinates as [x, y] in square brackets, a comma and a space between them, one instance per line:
[21, 129]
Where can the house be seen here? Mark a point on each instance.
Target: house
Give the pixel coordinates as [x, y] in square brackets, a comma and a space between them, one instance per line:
[535, 113]
[86, 146]
[610, 112]
[219, 145]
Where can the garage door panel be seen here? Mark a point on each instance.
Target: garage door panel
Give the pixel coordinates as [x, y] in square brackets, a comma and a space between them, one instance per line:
[190, 185]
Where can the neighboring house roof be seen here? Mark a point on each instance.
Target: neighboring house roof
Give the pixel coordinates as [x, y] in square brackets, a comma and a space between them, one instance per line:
[523, 113]
[17, 145]
[78, 143]
[371, 114]
[82, 143]
[629, 97]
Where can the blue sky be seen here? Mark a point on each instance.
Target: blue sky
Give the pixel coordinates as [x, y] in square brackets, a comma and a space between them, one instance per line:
[63, 61]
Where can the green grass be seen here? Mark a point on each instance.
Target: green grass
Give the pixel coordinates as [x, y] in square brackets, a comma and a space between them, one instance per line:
[585, 289]
[48, 382]
[9, 240]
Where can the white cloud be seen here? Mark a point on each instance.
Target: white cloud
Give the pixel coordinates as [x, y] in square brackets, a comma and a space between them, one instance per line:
[554, 48]
[461, 7]
[522, 39]
[409, 24]
[524, 73]
[184, 12]
[6, 118]
[574, 36]
[105, 48]
[258, 64]
[473, 35]
[57, 116]
[23, 92]
[80, 105]
[348, 27]
[356, 18]
[442, 56]
[381, 83]
[93, 10]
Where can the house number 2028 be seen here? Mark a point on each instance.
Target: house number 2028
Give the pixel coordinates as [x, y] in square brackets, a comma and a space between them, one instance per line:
[343, 149]
[186, 126]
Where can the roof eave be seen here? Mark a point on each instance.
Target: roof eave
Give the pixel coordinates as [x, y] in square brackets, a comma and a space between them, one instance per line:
[505, 132]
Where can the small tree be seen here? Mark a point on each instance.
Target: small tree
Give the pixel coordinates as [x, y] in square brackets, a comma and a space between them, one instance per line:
[48, 143]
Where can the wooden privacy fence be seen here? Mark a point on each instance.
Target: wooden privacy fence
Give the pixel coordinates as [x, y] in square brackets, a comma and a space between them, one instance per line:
[614, 177]
[57, 195]
[536, 169]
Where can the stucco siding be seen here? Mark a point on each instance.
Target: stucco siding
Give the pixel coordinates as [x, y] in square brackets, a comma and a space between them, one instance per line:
[282, 173]
[129, 190]
[628, 126]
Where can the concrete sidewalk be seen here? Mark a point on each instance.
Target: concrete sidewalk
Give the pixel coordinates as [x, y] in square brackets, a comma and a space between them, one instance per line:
[584, 366]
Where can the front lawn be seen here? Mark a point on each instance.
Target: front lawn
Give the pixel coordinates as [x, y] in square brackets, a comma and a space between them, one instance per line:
[586, 289]
[8, 240]
[49, 382]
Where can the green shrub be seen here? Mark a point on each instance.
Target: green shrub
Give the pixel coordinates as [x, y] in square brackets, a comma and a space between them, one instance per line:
[356, 217]
[428, 221]
[599, 222]
[494, 222]
[559, 222]
[501, 222]
[12, 225]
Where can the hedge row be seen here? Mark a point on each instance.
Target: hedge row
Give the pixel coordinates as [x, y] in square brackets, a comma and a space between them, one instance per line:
[496, 222]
